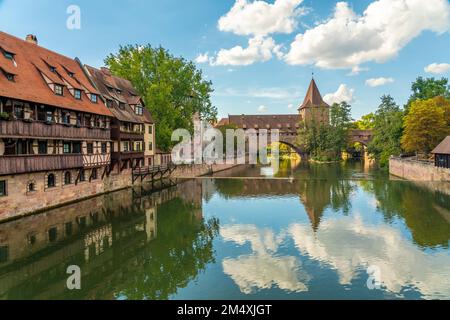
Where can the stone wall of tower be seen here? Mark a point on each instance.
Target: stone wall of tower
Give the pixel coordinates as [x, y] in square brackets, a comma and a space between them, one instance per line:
[318, 115]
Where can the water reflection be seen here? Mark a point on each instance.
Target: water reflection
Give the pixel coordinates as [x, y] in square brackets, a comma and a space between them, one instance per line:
[309, 232]
[128, 245]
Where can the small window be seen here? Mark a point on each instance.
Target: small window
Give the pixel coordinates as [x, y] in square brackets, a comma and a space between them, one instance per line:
[119, 91]
[32, 239]
[42, 147]
[52, 68]
[51, 181]
[67, 178]
[9, 76]
[8, 55]
[90, 148]
[69, 229]
[52, 234]
[150, 146]
[66, 147]
[94, 174]
[4, 254]
[76, 148]
[82, 222]
[150, 129]
[82, 175]
[66, 118]
[49, 117]
[59, 90]
[31, 187]
[94, 98]
[109, 103]
[3, 191]
[104, 147]
[71, 74]
[77, 94]
[122, 105]
[139, 110]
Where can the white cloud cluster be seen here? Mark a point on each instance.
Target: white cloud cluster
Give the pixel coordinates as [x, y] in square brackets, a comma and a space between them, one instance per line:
[347, 39]
[262, 268]
[261, 18]
[378, 82]
[258, 49]
[262, 109]
[202, 58]
[438, 68]
[343, 94]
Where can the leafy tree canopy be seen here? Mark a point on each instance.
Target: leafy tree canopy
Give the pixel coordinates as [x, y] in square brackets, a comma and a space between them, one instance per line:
[173, 88]
[426, 125]
[387, 130]
[423, 89]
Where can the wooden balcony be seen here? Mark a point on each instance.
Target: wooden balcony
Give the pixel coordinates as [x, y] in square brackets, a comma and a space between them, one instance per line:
[117, 134]
[35, 129]
[122, 156]
[36, 163]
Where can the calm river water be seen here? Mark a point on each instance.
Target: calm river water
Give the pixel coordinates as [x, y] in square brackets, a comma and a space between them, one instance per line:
[310, 232]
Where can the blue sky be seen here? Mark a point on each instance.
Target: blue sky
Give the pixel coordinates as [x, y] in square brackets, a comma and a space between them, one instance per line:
[391, 42]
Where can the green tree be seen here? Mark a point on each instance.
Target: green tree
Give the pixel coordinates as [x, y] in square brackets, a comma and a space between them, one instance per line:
[340, 123]
[172, 87]
[387, 131]
[424, 89]
[425, 125]
[367, 122]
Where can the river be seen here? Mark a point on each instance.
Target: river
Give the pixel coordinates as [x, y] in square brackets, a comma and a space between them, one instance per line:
[335, 231]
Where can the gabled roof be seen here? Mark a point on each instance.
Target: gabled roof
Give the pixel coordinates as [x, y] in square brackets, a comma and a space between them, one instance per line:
[284, 122]
[443, 147]
[109, 85]
[313, 97]
[31, 66]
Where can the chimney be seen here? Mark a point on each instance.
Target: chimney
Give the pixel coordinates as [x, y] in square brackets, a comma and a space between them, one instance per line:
[31, 38]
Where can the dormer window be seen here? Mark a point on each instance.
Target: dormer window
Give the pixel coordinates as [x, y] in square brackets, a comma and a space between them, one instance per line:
[122, 105]
[71, 74]
[8, 55]
[109, 103]
[9, 76]
[59, 91]
[139, 110]
[52, 69]
[94, 98]
[77, 94]
[119, 91]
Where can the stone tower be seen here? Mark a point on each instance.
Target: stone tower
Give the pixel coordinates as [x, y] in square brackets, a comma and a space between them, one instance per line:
[314, 109]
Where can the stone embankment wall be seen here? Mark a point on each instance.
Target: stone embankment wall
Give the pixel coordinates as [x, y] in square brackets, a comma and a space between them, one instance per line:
[21, 202]
[418, 171]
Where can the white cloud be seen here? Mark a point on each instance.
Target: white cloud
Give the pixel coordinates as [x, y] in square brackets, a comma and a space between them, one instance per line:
[347, 39]
[202, 58]
[356, 70]
[262, 109]
[378, 82]
[438, 68]
[274, 93]
[261, 18]
[263, 268]
[259, 49]
[343, 94]
[348, 244]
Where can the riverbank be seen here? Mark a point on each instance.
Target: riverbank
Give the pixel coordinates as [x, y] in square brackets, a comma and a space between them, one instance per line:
[23, 204]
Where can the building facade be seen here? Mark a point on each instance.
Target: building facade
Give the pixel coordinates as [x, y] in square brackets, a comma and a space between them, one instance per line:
[67, 131]
[132, 126]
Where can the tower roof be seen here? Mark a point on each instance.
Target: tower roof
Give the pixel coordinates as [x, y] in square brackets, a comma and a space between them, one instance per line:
[313, 97]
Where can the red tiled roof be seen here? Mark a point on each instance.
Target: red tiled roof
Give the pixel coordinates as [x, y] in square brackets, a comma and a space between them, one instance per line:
[30, 62]
[103, 79]
[313, 97]
[282, 122]
[223, 122]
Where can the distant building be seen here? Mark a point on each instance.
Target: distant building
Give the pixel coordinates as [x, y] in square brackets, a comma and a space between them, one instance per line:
[442, 154]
